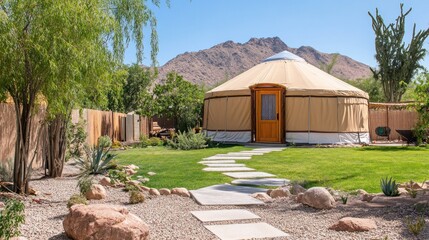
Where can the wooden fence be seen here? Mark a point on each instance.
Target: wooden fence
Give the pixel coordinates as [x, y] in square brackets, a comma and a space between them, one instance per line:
[8, 133]
[395, 116]
[118, 126]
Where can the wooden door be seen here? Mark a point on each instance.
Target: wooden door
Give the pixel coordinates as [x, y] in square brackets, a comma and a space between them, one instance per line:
[268, 116]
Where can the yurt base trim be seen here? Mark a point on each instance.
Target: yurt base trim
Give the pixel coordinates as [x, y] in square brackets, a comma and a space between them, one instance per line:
[294, 137]
[327, 138]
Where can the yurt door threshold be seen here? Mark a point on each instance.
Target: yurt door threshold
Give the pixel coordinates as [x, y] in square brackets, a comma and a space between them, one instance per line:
[268, 114]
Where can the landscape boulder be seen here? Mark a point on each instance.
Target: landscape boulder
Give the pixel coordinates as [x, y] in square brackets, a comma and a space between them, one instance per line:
[107, 222]
[279, 193]
[317, 197]
[297, 189]
[105, 181]
[96, 192]
[164, 191]
[262, 196]
[154, 192]
[132, 166]
[144, 188]
[351, 224]
[183, 192]
[129, 171]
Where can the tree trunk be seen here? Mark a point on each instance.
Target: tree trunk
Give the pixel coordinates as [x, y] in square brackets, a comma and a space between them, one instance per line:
[22, 165]
[55, 144]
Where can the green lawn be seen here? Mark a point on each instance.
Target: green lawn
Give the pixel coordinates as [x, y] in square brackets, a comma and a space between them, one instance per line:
[175, 168]
[341, 168]
[347, 168]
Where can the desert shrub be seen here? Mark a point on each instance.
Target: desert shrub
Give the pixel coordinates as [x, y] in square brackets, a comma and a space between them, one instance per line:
[155, 141]
[11, 218]
[116, 144]
[136, 197]
[104, 141]
[76, 139]
[144, 141]
[417, 226]
[85, 183]
[188, 140]
[389, 187]
[6, 171]
[131, 187]
[97, 161]
[77, 199]
[118, 175]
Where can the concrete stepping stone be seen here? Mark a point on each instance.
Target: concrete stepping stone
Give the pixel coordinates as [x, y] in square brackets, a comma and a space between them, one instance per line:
[224, 215]
[249, 174]
[269, 149]
[227, 169]
[226, 158]
[217, 161]
[245, 231]
[233, 188]
[238, 154]
[225, 164]
[252, 152]
[271, 182]
[224, 194]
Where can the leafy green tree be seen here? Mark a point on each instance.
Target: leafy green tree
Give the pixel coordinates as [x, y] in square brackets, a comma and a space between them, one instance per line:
[422, 106]
[55, 52]
[397, 62]
[136, 88]
[371, 86]
[180, 100]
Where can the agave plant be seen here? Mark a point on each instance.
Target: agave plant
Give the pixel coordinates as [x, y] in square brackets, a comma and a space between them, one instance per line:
[97, 161]
[389, 187]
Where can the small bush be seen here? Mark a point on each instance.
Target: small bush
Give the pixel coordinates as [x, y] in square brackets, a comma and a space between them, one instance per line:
[118, 175]
[155, 141]
[97, 161]
[85, 183]
[188, 140]
[6, 171]
[416, 227]
[76, 139]
[76, 199]
[389, 187]
[104, 141]
[136, 197]
[131, 188]
[11, 218]
[144, 141]
[412, 192]
[116, 144]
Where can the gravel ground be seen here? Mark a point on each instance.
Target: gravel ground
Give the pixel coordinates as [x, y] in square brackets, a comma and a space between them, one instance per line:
[169, 217]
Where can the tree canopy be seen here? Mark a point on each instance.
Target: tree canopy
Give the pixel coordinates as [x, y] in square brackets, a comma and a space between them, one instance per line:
[397, 62]
[55, 52]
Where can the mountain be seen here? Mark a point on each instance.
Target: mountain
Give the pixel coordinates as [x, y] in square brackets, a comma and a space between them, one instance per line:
[224, 61]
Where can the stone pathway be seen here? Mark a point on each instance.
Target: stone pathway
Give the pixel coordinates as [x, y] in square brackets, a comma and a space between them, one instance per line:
[227, 194]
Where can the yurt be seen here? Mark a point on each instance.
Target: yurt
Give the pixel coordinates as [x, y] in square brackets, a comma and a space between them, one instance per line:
[285, 99]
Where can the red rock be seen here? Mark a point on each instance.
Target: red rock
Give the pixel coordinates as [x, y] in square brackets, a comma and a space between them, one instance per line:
[354, 224]
[280, 193]
[183, 192]
[164, 191]
[96, 192]
[154, 192]
[105, 181]
[107, 222]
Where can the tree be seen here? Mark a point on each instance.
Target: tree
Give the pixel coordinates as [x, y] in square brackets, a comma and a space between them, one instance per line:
[136, 88]
[422, 106]
[397, 63]
[371, 86]
[180, 100]
[53, 52]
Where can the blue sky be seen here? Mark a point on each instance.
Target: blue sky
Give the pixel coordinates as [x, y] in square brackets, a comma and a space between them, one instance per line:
[329, 26]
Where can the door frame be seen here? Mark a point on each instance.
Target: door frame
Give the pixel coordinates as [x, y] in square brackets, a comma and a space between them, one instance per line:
[282, 120]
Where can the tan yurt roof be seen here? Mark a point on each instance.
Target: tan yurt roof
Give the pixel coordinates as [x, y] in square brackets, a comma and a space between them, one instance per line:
[292, 72]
